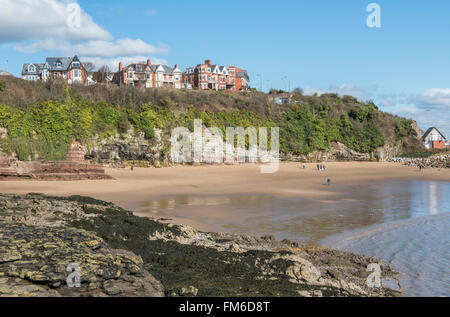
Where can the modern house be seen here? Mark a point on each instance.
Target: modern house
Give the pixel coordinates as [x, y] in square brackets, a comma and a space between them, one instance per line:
[148, 75]
[215, 77]
[68, 68]
[434, 139]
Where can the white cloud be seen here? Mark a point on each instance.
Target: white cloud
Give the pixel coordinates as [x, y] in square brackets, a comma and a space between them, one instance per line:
[345, 89]
[28, 20]
[121, 47]
[433, 98]
[53, 26]
[433, 108]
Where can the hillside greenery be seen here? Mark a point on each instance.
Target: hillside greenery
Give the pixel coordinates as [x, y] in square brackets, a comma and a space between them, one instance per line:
[43, 118]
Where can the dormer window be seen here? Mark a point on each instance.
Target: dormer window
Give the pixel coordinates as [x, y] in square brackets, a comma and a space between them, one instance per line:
[31, 69]
[58, 65]
[76, 64]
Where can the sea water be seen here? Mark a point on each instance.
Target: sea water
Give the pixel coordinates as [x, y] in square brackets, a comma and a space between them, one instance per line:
[403, 222]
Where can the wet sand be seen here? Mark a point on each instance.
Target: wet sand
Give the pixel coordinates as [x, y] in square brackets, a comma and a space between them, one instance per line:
[131, 190]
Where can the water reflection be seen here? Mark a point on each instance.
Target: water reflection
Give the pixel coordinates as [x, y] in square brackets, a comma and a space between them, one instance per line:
[432, 190]
[306, 220]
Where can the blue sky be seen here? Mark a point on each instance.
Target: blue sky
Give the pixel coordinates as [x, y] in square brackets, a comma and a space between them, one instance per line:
[320, 46]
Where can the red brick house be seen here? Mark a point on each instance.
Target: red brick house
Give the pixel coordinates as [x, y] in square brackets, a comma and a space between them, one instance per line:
[148, 75]
[208, 76]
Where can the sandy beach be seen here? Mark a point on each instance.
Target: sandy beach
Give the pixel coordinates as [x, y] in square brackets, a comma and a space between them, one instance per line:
[132, 189]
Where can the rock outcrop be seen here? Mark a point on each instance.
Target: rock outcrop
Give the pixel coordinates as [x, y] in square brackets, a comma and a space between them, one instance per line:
[120, 254]
[341, 153]
[436, 161]
[74, 168]
[11, 169]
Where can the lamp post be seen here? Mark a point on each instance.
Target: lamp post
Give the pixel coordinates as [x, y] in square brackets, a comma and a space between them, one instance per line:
[260, 81]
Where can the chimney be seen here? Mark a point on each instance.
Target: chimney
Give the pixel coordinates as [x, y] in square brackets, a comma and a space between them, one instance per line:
[149, 62]
[120, 67]
[176, 66]
[208, 62]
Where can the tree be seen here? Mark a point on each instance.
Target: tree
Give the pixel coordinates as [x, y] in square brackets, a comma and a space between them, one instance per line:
[100, 75]
[298, 91]
[89, 66]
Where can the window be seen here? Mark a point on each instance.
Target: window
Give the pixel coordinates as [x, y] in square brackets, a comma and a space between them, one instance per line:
[130, 74]
[31, 69]
[76, 73]
[76, 64]
[58, 65]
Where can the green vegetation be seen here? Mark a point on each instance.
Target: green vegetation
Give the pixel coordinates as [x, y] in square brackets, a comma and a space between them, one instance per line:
[43, 118]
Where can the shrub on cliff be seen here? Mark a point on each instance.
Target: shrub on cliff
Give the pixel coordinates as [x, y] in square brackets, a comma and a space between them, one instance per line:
[50, 115]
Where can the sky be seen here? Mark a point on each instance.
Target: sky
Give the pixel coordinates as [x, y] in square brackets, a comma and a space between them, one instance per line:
[319, 46]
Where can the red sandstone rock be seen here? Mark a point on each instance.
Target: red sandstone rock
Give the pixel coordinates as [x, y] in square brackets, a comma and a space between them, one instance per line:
[77, 152]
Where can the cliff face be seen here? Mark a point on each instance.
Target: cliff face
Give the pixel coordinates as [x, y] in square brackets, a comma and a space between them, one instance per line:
[120, 254]
[134, 149]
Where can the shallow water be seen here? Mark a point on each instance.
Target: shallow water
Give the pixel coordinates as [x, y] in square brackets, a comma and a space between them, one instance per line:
[403, 222]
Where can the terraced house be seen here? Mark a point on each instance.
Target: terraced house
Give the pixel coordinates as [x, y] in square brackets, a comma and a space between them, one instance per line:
[67, 68]
[215, 77]
[148, 75]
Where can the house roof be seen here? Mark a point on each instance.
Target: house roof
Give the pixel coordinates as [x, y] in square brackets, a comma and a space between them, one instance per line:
[166, 69]
[38, 69]
[429, 131]
[243, 74]
[65, 62]
[141, 68]
[50, 64]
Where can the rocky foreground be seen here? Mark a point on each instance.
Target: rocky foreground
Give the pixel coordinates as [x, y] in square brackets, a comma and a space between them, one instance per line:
[436, 161]
[120, 254]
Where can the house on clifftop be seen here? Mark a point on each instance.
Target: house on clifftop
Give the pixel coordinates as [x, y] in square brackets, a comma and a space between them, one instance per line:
[148, 75]
[69, 69]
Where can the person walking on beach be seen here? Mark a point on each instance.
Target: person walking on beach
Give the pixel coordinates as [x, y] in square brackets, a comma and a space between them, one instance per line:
[318, 167]
[304, 166]
[420, 168]
[329, 182]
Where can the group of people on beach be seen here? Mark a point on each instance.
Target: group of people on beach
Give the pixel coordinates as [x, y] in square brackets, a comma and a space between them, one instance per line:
[320, 167]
